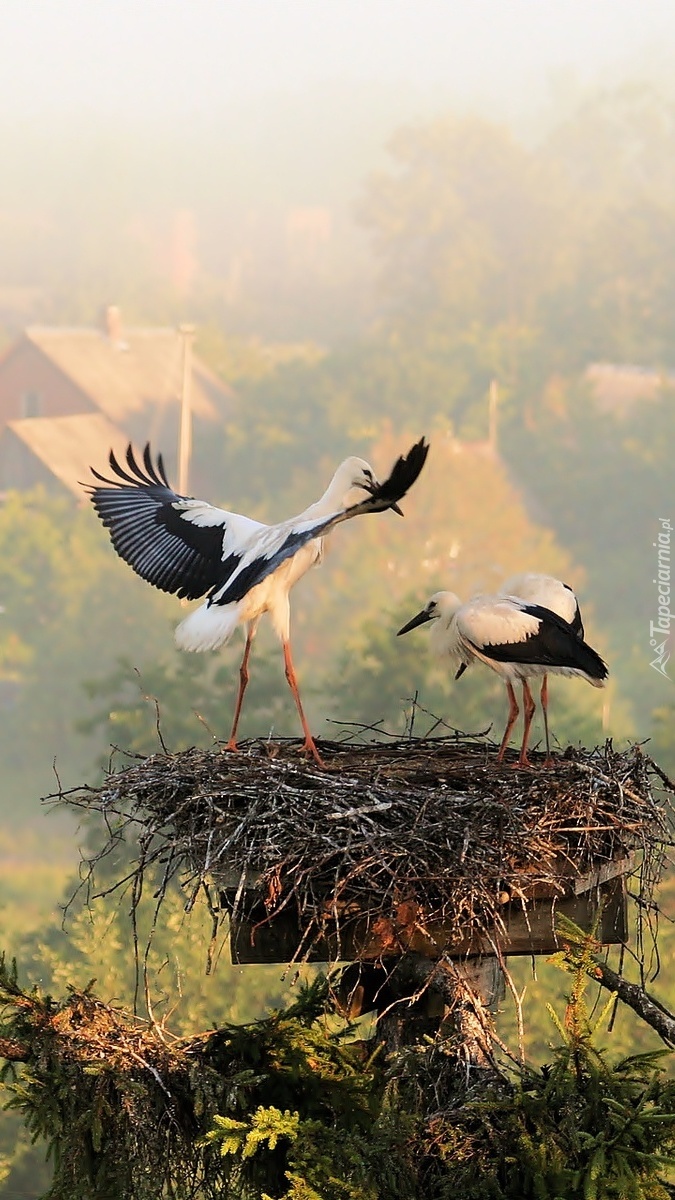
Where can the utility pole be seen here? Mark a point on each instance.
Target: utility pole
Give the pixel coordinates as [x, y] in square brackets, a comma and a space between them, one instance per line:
[493, 398]
[187, 334]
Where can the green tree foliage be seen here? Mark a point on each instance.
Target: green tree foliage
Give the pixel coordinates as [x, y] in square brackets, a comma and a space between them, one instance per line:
[291, 1108]
[618, 144]
[68, 605]
[616, 154]
[663, 745]
[559, 254]
[604, 483]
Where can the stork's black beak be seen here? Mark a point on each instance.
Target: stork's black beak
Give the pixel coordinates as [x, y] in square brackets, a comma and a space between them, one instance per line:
[421, 619]
[373, 488]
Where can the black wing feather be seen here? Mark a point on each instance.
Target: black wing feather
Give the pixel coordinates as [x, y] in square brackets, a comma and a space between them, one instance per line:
[158, 474]
[402, 476]
[149, 533]
[556, 644]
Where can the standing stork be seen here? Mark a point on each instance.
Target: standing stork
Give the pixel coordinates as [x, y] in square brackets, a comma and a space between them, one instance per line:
[517, 640]
[191, 549]
[557, 596]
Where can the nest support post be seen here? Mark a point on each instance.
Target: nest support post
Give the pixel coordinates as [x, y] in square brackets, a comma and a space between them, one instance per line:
[416, 997]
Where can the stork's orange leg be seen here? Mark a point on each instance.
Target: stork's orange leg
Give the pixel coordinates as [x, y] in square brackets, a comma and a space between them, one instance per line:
[512, 718]
[529, 707]
[309, 743]
[548, 761]
[243, 680]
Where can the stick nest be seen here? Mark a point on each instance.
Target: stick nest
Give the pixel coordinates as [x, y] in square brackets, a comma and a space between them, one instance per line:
[432, 823]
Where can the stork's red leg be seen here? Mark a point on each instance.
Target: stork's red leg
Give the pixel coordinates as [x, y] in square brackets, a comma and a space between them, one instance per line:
[548, 761]
[309, 744]
[243, 680]
[512, 718]
[528, 712]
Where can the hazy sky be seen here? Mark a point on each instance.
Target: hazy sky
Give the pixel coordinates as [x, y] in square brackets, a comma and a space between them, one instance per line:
[159, 57]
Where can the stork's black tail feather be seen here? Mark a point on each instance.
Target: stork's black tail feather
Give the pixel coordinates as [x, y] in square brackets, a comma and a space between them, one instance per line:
[590, 662]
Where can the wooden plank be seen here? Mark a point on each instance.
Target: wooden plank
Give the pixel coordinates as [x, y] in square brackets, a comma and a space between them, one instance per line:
[603, 874]
[569, 882]
[528, 929]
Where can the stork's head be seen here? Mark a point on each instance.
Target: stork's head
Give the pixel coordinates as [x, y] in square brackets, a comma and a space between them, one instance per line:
[356, 473]
[441, 607]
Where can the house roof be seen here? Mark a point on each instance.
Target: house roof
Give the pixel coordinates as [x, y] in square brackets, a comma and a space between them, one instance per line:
[619, 387]
[68, 446]
[143, 368]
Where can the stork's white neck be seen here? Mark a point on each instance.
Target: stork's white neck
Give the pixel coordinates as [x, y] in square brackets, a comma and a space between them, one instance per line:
[335, 495]
[445, 638]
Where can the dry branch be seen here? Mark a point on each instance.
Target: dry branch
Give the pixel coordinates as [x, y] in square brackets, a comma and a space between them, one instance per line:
[13, 1051]
[638, 999]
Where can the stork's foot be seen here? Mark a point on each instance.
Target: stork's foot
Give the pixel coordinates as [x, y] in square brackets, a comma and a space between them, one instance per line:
[309, 748]
[231, 745]
[523, 763]
[549, 761]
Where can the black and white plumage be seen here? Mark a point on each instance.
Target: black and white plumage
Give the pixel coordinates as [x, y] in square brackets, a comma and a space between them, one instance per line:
[548, 592]
[557, 596]
[245, 568]
[517, 640]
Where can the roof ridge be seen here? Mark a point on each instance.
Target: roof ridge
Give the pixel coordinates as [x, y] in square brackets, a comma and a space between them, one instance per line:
[92, 331]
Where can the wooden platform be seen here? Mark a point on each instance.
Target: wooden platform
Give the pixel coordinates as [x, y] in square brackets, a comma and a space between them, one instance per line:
[527, 924]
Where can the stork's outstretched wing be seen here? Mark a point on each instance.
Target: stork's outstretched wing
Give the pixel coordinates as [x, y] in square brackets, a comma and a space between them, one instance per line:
[178, 544]
[188, 547]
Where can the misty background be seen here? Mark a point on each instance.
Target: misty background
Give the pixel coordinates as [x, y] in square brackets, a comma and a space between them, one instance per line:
[164, 157]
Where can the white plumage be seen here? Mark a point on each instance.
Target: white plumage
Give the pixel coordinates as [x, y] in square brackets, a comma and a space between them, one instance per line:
[245, 568]
[547, 591]
[517, 640]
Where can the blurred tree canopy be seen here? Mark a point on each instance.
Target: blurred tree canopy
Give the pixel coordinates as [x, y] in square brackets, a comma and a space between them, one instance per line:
[468, 225]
